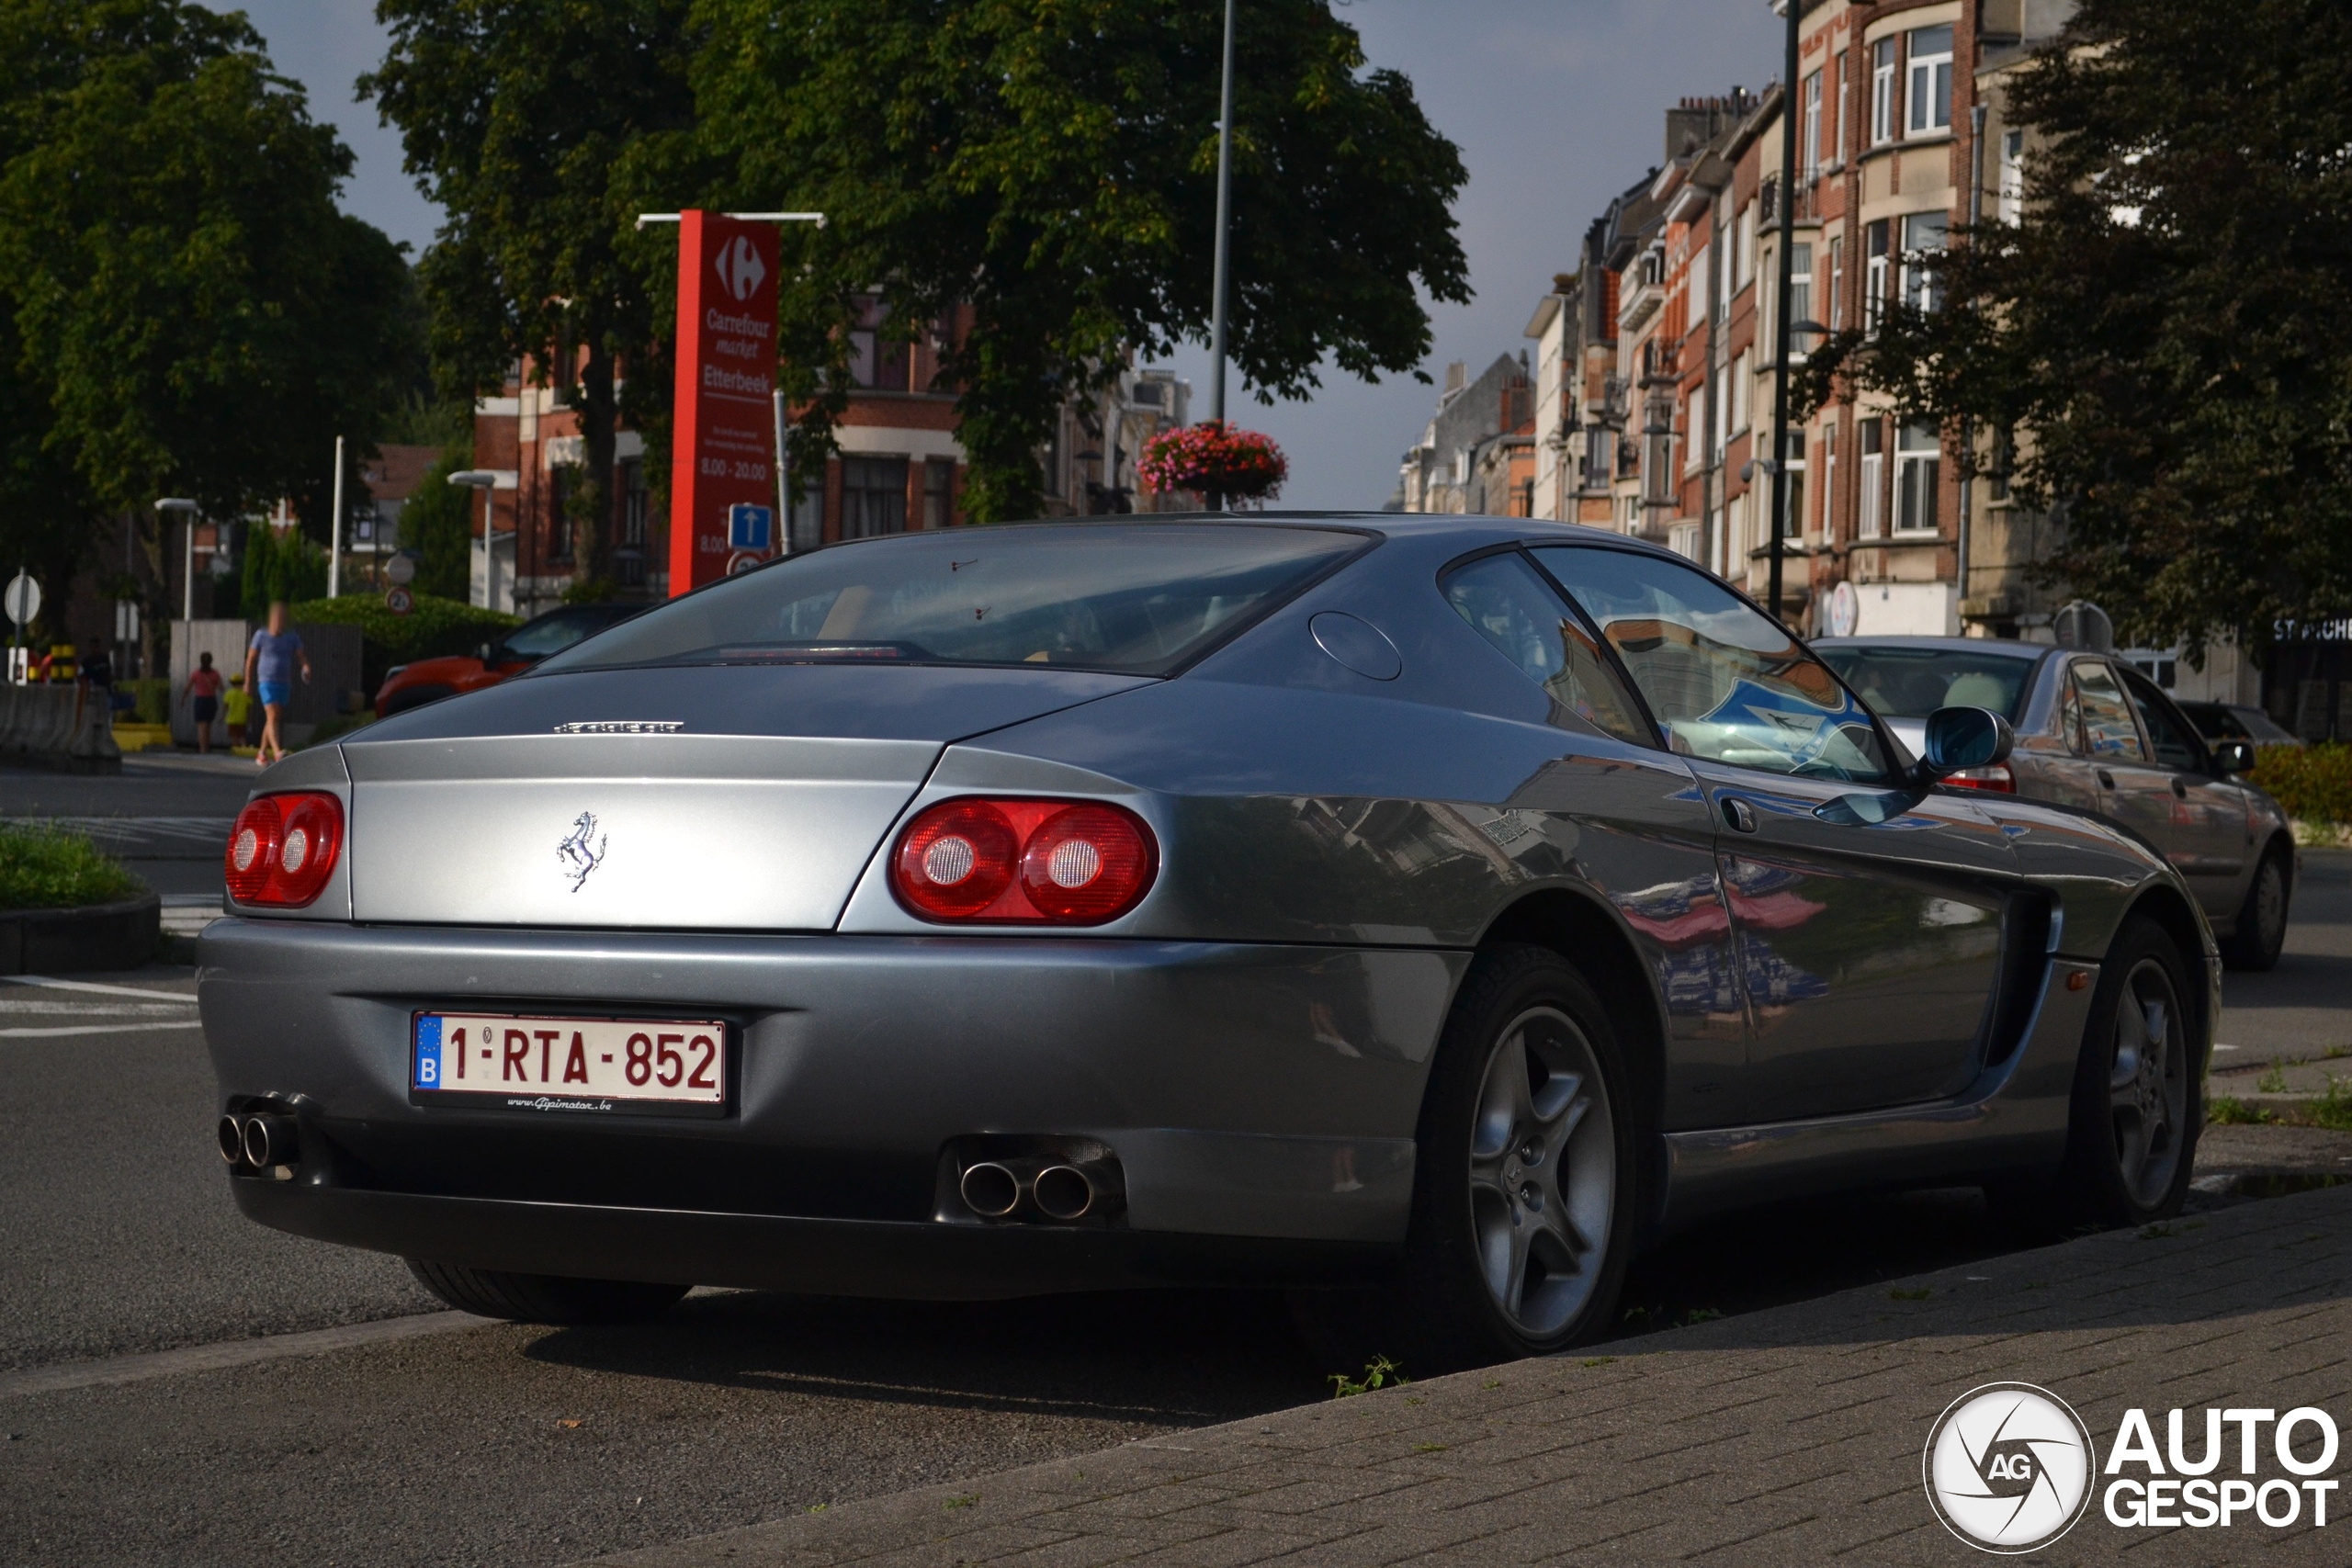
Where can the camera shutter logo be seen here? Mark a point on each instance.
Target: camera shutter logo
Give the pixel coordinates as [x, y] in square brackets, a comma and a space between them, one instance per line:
[2008, 1467]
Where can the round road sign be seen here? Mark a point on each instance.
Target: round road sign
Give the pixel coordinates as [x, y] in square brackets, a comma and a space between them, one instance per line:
[399, 601]
[23, 599]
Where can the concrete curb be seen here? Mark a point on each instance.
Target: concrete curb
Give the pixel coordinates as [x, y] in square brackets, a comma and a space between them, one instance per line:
[95, 936]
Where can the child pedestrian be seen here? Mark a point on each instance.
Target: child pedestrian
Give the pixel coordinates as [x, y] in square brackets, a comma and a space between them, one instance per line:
[204, 700]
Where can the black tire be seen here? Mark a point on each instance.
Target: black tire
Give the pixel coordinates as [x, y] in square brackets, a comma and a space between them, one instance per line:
[2104, 1182]
[1499, 1210]
[2261, 928]
[544, 1298]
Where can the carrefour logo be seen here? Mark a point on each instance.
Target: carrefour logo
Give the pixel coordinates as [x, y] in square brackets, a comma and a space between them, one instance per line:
[739, 268]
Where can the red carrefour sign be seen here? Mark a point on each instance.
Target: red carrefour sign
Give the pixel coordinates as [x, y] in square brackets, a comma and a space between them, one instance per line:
[723, 490]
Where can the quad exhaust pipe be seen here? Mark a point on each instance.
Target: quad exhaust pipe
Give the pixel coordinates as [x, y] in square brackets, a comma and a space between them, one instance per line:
[259, 1141]
[1061, 1190]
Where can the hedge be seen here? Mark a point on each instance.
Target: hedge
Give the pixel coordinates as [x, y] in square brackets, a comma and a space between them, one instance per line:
[2313, 783]
[435, 627]
[46, 868]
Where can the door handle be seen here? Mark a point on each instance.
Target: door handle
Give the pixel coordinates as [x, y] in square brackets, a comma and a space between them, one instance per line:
[2180, 788]
[2106, 779]
[1739, 814]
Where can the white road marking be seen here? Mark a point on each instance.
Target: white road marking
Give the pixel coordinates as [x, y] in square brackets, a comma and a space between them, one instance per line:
[97, 1029]
[96, 1009]
[230, 1353]
[185, 998]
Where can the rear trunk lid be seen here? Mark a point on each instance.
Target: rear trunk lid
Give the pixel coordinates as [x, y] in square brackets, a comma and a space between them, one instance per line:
[706, 799]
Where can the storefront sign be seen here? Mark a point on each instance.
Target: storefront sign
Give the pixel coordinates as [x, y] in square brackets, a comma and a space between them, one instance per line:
[724, 424]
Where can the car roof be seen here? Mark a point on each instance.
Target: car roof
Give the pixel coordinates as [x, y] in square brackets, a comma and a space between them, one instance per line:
[2001, 647]
[1471, 528]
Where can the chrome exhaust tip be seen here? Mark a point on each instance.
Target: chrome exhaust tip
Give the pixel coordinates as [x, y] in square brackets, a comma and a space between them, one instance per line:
[1063, 1192]
[270, 1141]
[990, 1189]
[231, 1134]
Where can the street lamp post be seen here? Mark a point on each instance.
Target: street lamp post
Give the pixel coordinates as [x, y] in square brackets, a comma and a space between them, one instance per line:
[484, 480]
[1782, 333]
[334, 528]
[166, 506]
[1221, 273]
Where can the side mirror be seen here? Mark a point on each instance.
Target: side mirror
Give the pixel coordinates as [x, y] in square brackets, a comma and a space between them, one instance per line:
[2233, 756]
[484, 653]
[1959, 739]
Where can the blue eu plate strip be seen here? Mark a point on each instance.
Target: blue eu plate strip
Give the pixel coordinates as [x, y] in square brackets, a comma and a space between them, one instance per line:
[428, 1051]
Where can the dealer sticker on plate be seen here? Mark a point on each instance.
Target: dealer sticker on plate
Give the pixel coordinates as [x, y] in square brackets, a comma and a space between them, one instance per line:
[570, 1064]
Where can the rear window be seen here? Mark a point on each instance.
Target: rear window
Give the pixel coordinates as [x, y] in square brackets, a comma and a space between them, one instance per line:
[1912, 682]
[1133, 598]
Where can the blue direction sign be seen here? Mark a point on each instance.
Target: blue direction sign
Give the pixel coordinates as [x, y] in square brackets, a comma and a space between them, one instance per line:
[751, 527]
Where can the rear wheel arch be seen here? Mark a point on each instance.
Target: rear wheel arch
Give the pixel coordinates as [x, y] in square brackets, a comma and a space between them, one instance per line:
[1586, 934]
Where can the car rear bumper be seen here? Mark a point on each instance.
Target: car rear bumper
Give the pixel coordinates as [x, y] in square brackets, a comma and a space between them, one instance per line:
[1254, 1096]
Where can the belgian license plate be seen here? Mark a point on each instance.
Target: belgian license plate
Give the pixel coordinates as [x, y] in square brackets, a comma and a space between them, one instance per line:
[504, 1061]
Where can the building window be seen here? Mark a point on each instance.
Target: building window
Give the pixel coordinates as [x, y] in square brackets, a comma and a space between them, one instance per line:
[1828, 482]
[875, 362]
[1800, 298]
[1741, 377]
[1918, 460]
[1813, 125]
[1838, 120]
[1874, 274]
[807, 530]
[1928, 91]
[874, 497]
[1683, 540]
[1873, 477]
[1924, 235]
[2005, 456]
[1791, 521]
[1834, 320]
[938, 493]
[1883, 92]
[563, 480]
[2011, 205]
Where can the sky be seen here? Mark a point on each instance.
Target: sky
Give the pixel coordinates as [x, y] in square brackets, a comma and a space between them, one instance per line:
[1557, 104]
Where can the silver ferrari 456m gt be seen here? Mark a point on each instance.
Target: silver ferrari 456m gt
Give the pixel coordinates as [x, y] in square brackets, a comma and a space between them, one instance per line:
[1431, 910]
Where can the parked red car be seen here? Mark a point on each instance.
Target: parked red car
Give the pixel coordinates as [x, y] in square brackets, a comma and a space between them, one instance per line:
[429, 680]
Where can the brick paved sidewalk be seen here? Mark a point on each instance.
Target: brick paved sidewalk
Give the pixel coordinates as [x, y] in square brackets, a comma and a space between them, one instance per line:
[1792, 1436]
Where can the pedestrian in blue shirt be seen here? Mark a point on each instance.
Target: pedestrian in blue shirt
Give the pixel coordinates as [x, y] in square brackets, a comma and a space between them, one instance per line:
[270, 664]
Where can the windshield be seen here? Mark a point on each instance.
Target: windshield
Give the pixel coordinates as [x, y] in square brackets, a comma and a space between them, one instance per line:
[1133, 598]
[1912, 682]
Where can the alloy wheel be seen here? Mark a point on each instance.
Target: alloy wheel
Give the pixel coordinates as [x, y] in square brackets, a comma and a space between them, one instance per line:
[1543, 1172]
[2147, 1084]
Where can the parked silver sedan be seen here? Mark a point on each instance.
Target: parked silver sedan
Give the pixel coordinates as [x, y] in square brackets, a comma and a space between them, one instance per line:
[2094, 732]
[1422, 912]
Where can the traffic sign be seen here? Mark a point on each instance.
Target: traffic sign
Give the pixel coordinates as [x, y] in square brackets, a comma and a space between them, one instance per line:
[399, 600]
[744, 560]
[400, 571]
[23, 600]
[751, 527]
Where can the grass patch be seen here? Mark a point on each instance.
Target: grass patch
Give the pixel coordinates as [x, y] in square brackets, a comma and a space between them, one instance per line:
[2333, 1108]
[1921, 1294]
[2226, 1110]
[44, 868]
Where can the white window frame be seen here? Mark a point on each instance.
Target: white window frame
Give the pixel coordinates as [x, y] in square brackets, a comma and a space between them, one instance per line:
[1794, 521]
[1813, 127]
[1800, 297]
[1837, 118]
[1695, 422]
[1926, 89]
[1742, 375]
[1837, 282]
[1917, 447]
[1871, 514]
[1920, 287]
[1883, 72]
[2010, 203]
[1877, 276]
[1828, 490]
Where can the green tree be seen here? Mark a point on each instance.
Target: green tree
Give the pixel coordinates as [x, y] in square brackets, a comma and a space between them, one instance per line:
[437, 523]
[2168, 332]
[1050, 167]
[515, 116]
[190, 313]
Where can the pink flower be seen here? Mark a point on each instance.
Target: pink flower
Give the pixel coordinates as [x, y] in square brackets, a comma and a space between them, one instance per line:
[1215, 459]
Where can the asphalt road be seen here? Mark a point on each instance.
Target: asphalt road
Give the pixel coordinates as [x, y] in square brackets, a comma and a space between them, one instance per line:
[525, 1446]
[166, 814]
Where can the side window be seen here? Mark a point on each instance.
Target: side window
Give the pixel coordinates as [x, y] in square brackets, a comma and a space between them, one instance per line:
[2106, 730]
[1509, 604]
[1721, 680]
[2176, 746]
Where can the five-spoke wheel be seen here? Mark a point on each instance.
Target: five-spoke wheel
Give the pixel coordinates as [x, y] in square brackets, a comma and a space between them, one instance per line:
[1543, 1169]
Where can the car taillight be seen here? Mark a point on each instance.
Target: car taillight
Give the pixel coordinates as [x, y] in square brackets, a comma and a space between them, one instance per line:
[1997, 777]
[994, 862]
[283, 849]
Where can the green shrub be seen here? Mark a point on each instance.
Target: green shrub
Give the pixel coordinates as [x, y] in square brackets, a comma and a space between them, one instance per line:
[152, 699]
[437, 523]
[44, 868]
[435, 627]
[285, 566]
[2313, 783]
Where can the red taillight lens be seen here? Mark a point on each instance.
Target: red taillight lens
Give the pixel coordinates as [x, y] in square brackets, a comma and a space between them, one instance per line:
[1024, 862]
[283, 849]
[1996, 778]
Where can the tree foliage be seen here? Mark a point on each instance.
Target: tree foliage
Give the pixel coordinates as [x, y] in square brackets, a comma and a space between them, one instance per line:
[187, 311]
[1049, 168]
[437, 523]
[2167, 332]
[517, 116]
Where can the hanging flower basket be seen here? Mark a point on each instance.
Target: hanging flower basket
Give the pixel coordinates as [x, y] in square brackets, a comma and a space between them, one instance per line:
[1216, 460]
